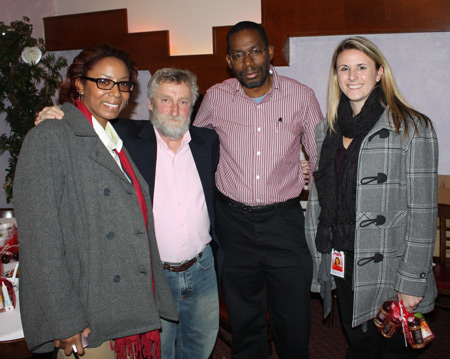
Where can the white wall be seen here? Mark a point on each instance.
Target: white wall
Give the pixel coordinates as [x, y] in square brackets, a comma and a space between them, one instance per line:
[420, 63]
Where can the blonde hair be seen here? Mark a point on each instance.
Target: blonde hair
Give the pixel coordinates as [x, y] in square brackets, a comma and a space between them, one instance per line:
[400, 111]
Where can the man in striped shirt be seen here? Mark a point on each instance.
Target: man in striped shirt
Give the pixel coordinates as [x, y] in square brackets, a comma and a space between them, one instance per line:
[262, 120]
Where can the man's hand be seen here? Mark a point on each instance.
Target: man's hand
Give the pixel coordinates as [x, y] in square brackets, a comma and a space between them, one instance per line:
[409, 301]
[49, 112]
[305, 169]
[67, 343]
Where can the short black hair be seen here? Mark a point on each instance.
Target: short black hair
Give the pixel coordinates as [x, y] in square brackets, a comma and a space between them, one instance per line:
[247, 25]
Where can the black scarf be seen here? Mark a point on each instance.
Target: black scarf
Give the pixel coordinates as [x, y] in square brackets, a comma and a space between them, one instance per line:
[337, 196]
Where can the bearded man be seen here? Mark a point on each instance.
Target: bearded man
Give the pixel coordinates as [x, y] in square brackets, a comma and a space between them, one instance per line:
[178, 163]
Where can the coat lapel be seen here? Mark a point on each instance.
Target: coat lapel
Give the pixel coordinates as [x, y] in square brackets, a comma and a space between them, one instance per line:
[201, 159]
[204, 163]
[140, 178]
[145, 153]
[100, 154]
[94, 147]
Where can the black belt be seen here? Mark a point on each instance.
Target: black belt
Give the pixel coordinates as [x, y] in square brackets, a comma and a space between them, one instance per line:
[183, 266]
[290, 203]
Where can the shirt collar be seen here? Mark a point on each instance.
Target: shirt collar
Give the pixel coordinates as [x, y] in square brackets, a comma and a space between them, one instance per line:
[185, 141]
[108, 135]
[275, 79]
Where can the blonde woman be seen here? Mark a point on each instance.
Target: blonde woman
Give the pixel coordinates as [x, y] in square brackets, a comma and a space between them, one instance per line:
[373, 203]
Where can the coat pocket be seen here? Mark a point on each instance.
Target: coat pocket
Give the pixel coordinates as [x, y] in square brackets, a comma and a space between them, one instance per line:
[381, 232]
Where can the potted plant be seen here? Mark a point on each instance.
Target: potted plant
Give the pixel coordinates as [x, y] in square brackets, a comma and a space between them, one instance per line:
[29, 78]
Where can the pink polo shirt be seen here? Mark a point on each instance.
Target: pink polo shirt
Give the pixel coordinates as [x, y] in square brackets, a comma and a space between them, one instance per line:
[179, 206]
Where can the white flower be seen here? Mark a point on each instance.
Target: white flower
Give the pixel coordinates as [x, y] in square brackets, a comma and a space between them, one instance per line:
[31, 55]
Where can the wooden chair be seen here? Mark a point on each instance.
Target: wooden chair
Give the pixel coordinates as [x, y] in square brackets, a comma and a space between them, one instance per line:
[442, 268]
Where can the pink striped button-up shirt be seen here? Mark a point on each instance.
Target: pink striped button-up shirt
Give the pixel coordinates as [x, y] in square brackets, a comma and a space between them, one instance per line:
[260, 144]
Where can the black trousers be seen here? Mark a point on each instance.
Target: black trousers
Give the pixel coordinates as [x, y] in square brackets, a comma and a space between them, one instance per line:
[369, 345]
[267, 269]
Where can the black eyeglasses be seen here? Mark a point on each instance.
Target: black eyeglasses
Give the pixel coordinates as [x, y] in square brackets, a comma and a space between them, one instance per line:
[107, 84]
[253, 53]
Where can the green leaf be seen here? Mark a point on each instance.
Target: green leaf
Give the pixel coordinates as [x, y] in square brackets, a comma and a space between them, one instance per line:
[24, 89]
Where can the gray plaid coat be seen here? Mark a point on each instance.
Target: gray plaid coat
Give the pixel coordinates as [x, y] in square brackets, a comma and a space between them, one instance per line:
[407, 199]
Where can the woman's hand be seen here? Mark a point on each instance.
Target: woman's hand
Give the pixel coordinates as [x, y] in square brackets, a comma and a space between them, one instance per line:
[67, 344]
[49, 112]
[409, 301]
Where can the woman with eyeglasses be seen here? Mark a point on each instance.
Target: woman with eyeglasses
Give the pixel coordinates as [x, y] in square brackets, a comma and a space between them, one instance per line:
[89, 262]
[373, 203]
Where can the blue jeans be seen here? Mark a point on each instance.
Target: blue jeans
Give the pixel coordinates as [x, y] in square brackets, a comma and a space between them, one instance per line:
[196, 297]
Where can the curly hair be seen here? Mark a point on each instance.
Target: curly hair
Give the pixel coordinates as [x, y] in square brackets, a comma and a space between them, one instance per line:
[85, 61]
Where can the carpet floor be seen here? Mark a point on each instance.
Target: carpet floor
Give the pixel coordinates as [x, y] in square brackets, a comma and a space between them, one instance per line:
[327, 342]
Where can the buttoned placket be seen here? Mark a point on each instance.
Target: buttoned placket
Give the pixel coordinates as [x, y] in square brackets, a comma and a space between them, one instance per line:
[177, 179]
[257, 163]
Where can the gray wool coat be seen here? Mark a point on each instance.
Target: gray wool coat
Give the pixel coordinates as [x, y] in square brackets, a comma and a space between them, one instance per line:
[407, 200]
[85, 252]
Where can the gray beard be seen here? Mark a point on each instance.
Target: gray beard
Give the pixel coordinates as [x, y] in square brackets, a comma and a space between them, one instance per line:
[171, 132]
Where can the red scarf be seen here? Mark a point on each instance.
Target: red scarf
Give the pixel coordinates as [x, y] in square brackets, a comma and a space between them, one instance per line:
[147, 345]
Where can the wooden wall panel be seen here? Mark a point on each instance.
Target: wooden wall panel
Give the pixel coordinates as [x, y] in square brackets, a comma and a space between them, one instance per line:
[281, 19]
[77, 31]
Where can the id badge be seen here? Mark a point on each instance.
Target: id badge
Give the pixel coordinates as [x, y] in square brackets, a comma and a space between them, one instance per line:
[337, 263]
